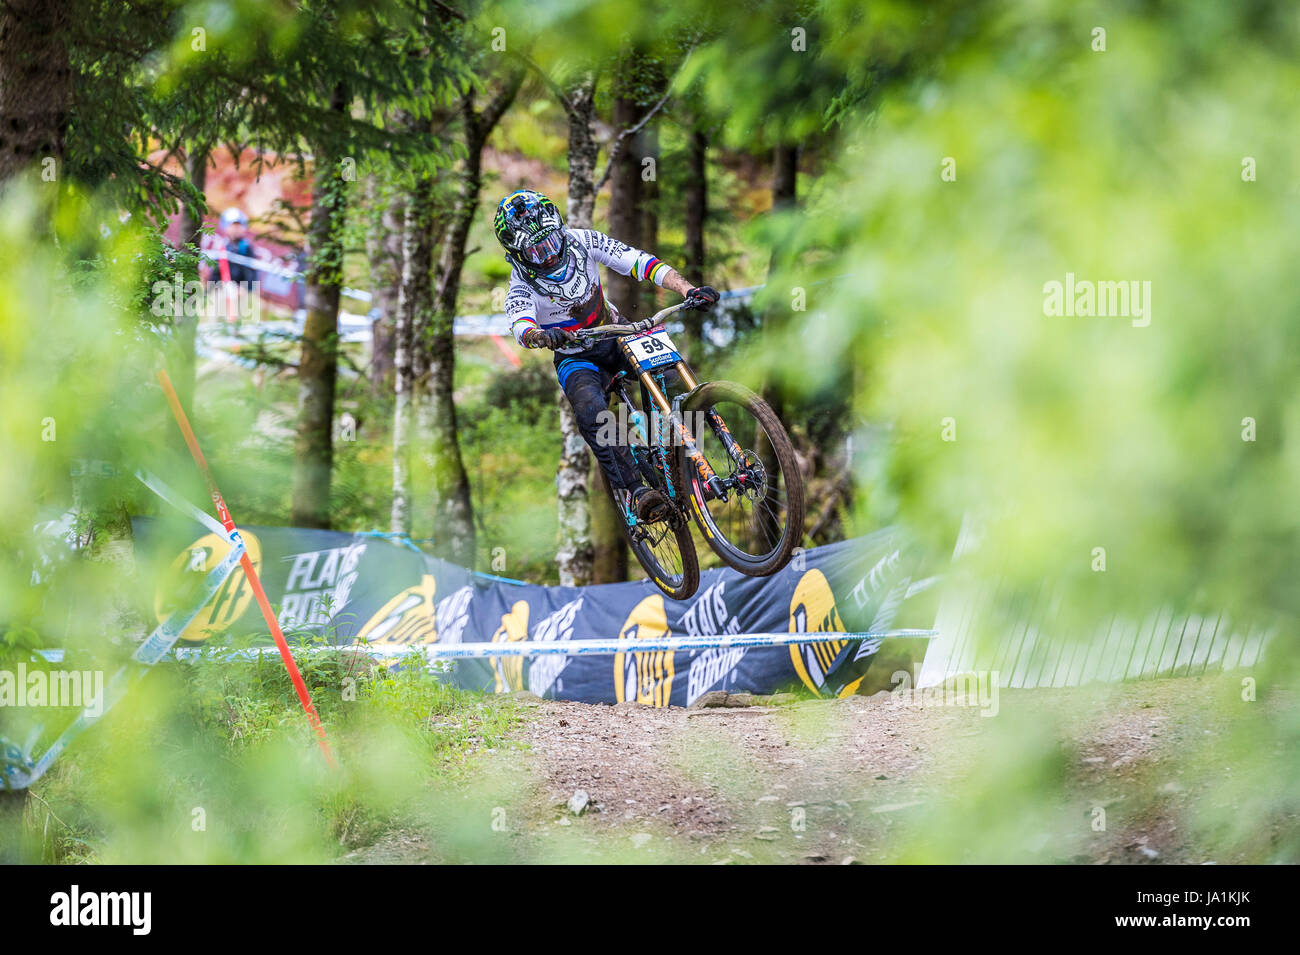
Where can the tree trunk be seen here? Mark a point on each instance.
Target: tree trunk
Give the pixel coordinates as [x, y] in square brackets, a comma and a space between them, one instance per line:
[649, 193]
[318, 367]
[650, 298]
[400, 515]
[785, 181]
[575, 553]
[785, 177]
[697, 206]
[581, 107]
[415, 303]
[608, 540]
[628, 218]
[191, 224]
[625, 213]
[696, 215]
[35, 83]
[384, 251]
[453, 508]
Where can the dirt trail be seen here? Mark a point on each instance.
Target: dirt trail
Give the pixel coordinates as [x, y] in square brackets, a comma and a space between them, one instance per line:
[755, 782]
[830, 782]
[861, 780]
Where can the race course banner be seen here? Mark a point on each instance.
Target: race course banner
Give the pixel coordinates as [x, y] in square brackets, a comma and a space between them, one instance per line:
[348, 588]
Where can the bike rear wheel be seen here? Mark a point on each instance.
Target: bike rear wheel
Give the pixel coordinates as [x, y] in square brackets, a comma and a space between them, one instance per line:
[756, 520]
[666, 551]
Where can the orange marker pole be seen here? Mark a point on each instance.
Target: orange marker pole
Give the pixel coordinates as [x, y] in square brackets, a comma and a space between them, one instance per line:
[506, 350]
[223, 515]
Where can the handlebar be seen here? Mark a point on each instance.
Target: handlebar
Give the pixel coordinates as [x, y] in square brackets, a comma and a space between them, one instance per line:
[636, 328]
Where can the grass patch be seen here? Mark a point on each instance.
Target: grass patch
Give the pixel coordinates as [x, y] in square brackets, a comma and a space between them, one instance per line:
[215, 763]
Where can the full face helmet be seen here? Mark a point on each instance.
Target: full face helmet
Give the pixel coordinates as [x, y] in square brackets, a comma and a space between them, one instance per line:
[531, 230]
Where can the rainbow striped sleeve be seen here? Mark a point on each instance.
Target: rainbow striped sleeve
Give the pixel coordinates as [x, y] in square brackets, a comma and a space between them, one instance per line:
[519, 327]
[655, 270]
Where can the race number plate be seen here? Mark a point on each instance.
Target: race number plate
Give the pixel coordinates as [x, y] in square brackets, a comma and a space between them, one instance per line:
[653, 350]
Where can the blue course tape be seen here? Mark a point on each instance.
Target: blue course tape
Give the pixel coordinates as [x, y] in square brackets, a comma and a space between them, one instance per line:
[165, 635]
[18, 769]
[403, 539]
[501, 580]
[480, 650]
[407, 541]
[410, 542]
[159, 487]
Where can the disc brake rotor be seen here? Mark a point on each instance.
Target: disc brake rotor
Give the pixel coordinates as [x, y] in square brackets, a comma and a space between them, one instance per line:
[751, 477]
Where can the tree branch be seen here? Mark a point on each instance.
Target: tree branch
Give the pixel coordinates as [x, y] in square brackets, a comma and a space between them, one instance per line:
[449, 11]
[838, 493]
[545, 77]
[497, 106]
[617, 145]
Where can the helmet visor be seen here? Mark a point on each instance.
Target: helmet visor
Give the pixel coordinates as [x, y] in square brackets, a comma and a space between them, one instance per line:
[545, 252]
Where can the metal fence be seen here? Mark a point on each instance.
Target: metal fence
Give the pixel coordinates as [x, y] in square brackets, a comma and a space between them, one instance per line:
[1037, 648]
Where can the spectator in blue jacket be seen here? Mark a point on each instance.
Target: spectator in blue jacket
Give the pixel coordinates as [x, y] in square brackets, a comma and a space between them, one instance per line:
[235, 226]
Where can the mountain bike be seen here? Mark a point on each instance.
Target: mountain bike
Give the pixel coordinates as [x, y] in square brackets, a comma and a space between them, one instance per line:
[715, 451]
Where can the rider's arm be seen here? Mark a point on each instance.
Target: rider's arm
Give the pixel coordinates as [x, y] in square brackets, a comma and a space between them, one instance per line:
[625, 260]
[521, 313]
[674, 281]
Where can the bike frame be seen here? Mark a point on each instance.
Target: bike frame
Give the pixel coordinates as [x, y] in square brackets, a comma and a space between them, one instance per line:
[672, 460]
[651, 389]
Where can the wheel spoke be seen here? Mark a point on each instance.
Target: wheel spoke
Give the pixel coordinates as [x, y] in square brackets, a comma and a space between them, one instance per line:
[752, 525]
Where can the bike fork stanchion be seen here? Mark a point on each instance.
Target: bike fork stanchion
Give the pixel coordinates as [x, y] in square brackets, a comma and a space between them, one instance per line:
[223, 514]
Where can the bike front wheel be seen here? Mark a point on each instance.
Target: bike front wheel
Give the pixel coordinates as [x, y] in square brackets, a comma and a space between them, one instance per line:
[744, 484]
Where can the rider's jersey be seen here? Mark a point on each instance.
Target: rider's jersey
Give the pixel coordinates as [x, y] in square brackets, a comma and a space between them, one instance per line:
[574, 296]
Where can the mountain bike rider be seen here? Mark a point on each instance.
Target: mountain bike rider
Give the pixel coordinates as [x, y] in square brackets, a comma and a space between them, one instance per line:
[555, 288]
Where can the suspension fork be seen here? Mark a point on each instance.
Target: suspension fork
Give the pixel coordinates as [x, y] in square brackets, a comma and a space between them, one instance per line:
[734, 451]
[708, 476]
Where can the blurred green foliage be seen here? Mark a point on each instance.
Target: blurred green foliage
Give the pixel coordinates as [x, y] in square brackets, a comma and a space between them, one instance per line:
[966, 156]
[81, 411]
[214, 763]
[1074, 432]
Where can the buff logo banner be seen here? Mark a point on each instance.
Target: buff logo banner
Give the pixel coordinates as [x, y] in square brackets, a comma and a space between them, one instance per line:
[347, 588]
